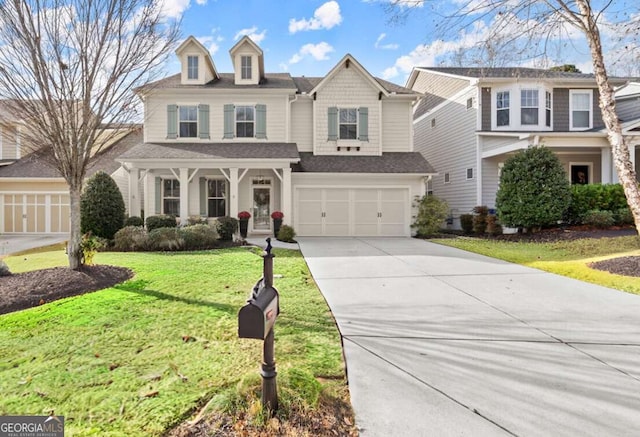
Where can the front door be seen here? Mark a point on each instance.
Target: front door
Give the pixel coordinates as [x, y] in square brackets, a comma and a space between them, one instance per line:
[262, 208]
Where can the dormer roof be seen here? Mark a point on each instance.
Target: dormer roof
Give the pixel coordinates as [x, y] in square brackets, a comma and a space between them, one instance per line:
[247, 42]
[191, 41]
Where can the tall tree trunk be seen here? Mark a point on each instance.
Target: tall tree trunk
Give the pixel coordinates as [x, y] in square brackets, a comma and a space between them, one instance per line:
[619, 145]
[74, 251]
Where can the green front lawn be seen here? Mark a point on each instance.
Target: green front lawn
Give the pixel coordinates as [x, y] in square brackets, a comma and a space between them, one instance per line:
[138, 358]
[567, 258]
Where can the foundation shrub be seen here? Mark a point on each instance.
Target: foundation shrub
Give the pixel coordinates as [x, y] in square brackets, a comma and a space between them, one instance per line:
[165, 239]
[131, 239]
[198, 237]
[160, 221]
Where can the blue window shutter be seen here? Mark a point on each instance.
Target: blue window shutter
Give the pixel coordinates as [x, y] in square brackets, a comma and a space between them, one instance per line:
[332, 119]
[203, 197]
[229, 118]
[261, 121]
[172, 122]
[203, 121]
[158, 196]
[363, 124]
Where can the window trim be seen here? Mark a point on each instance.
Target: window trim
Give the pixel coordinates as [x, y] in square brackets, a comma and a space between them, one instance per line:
[164, 197]
[469, 103]
[428, 187]
[225, 196]
[179, 120]
[246, 70]
[548, 100]
[235, 120]
[587, 164]
[469, 169]
[525, 105]
[573, 92]
[447, 178]
[190, 68]
[507, 109]
[433, 123]
[356, 123]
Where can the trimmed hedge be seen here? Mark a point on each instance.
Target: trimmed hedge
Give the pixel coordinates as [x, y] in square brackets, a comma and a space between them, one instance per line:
[287, 234]
[198, 237]
[134, 221]
[130, 239]
[165, 239]
[595, 197]
[160, 221]
[226, 227]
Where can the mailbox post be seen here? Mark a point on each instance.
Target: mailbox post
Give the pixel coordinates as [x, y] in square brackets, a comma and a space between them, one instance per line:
[256, 319]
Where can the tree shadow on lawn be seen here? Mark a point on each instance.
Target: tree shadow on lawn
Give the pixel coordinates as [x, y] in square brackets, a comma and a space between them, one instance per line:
[139, 288]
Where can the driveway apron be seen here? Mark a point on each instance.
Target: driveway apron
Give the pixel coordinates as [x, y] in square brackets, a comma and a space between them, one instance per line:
[442, 342]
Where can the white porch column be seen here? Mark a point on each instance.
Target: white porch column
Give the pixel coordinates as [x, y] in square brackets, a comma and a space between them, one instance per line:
[286, 195]
[148, 206]
[606, 169]
[134, 190]
[184, 195]
[233, 192]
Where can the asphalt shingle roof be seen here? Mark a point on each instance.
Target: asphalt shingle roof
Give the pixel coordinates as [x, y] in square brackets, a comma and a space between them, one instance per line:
[35, 166]
[212, 151]
[509, 72]
[392, 162]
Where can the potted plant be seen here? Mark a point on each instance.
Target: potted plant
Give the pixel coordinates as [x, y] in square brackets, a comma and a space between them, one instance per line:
[244, 217]
[277, 221]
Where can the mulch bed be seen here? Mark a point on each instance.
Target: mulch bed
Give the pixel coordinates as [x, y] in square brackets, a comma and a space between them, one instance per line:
[625, 266]
[25, 290]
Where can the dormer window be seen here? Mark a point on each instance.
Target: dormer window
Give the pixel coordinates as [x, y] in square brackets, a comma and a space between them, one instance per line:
[192, 67]
[245, 67]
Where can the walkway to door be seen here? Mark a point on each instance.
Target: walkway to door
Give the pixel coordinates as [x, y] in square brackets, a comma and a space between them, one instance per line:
[443, 342]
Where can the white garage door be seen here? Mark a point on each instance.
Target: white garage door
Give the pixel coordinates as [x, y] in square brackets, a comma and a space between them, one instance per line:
[39, 213]
[352, 211]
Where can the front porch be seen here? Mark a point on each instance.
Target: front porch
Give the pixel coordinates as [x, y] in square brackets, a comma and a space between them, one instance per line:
[216, 182]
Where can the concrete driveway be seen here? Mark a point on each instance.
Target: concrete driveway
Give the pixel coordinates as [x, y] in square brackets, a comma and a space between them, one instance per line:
[441, 342]
[12, 243]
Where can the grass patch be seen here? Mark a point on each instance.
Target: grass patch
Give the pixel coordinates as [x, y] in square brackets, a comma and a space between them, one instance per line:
[567, 258]
[139, 358]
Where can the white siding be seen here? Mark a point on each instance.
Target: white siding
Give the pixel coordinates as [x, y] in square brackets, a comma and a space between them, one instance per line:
[8, 142]
[155, 125]
[121, 178]
[491, 180]
[302, 124]
[396, 126]
[347, 89]
[450, 147]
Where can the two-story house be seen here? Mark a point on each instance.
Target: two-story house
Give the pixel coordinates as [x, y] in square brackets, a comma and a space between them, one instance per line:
[334, 153]
[472, 119]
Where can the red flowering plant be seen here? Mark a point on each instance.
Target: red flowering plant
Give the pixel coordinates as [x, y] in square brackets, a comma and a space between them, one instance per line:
[244, 215]
[277, 215]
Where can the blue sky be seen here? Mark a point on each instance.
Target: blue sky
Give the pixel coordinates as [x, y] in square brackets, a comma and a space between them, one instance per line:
[308, 37]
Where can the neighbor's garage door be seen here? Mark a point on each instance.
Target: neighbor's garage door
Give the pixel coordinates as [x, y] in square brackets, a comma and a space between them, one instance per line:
[352, 211]
[35, 213]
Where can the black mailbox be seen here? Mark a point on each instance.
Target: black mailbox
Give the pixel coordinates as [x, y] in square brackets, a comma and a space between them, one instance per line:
[257, 317]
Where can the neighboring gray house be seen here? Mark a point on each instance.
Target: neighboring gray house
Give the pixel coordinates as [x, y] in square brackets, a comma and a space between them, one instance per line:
[472, 119]
[333, 153]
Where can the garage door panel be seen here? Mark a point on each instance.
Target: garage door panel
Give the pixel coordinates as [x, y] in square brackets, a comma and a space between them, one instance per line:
[352, 211]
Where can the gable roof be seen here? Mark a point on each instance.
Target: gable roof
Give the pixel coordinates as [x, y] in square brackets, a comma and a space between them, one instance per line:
[245, 40]
[208, 59]
[306, 84]
[347, 61]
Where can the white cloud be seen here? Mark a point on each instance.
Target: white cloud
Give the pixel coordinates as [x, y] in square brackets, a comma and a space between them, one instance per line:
[251, 32]
[400, 3]
[377, 45]
[318, 52]
[201, 2]
[211, 42]
[174, 8]
[325, 17]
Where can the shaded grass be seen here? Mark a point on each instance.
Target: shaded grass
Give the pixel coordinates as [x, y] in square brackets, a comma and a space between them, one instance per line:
[115, 362]
[568, 258]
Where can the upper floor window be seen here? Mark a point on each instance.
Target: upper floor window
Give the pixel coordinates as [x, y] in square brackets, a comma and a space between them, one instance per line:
[188, 121]
[192, 67]
[348, 122]
[581, 109]
[245, 67]
[547, 109]
[502, 108]
[529, 107]
[245, 119]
